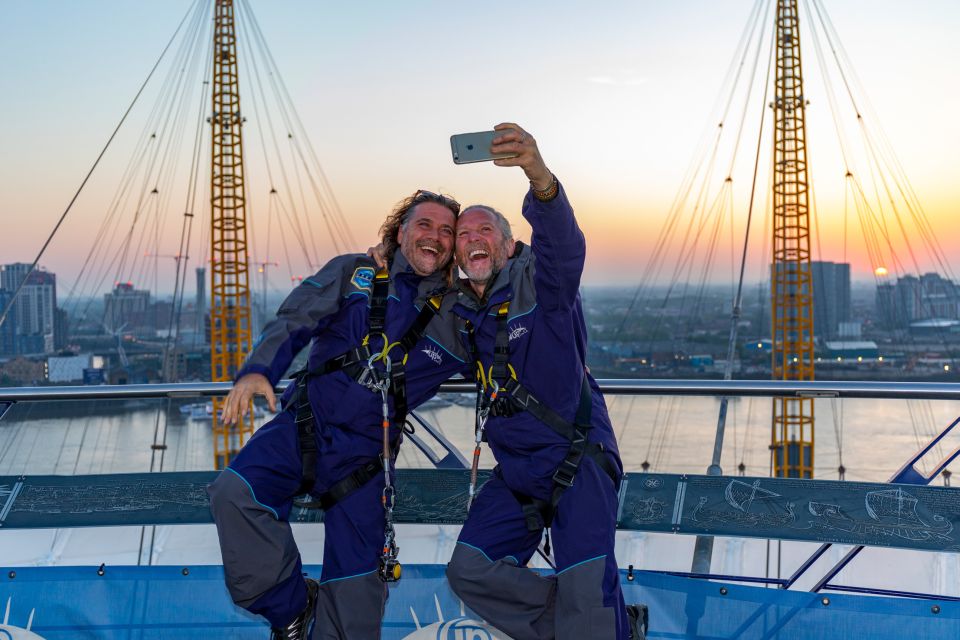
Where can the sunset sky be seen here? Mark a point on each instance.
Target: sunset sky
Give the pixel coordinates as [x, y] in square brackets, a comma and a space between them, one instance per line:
[620, 96]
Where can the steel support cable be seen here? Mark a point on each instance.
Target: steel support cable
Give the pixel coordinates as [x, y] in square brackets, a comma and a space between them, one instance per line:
[107, 224]
[286, 250]
[668, 433]
[663, 240]
[274, 195]
[738, 299]
[688, 246]
[291, 147]
[147, 138]
[203, 194]
[828, 88]
[653, 426]
[654, 263]
[189, 208]
[685, 253]
[294, 219]
[304, 235]
[33, 265]
[652, 269]
[292, 118]
[173, 97]
[165, 179]
[836, 417]
[164, 104]
[130, 171]
[291, 220]
[724, 200]
[923, 222]
[913, 257]
[182, 260]
[100, 258]
[878, 226]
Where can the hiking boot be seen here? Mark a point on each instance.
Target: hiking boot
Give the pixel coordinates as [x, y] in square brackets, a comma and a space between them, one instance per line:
[299, 629]
[639, 618]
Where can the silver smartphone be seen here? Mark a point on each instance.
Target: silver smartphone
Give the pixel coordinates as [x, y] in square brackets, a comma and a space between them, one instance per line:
[475, 147]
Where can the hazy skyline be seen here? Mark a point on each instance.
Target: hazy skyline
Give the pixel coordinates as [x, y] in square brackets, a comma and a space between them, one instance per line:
[618, 95]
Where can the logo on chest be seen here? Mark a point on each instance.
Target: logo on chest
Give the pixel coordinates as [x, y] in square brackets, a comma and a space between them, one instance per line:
[517, 331]
[433, 353]
[362, 278]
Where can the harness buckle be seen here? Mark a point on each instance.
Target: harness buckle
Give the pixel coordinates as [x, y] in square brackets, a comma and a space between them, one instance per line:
[565, 474]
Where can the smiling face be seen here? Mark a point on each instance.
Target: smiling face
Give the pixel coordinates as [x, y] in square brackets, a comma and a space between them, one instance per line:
[426, 238]
[482, 247]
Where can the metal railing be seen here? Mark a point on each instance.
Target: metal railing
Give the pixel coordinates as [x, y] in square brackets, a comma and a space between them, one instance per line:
[733, 388]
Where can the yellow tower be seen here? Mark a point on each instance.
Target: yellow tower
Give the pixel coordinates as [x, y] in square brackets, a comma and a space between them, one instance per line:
[230, 337]
[792, 286]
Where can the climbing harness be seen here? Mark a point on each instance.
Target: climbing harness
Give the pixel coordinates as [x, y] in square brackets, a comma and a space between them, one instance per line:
[510, 397]
[390, 381]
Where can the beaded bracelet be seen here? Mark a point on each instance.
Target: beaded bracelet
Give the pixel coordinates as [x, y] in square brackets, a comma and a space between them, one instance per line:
[547, 194]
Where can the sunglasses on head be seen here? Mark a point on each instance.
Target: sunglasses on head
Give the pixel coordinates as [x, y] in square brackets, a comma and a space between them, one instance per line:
[422, 195]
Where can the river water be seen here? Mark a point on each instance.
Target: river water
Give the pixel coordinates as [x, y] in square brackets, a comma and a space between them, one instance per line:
[674, 434]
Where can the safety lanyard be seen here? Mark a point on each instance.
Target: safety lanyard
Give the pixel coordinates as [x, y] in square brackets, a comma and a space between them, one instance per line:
[498, 371]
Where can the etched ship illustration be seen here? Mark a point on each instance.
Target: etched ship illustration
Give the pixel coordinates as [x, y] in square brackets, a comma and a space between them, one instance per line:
[753, 506]
[741, 495]
[893, 504]
[892, 513]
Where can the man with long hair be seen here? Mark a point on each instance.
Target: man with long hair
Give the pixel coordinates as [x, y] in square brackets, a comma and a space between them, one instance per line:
[376, 335]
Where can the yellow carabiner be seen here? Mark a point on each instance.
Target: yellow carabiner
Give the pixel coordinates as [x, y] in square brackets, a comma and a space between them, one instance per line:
[481, 375]
[513, 373]
[383, 352]
[397, 344]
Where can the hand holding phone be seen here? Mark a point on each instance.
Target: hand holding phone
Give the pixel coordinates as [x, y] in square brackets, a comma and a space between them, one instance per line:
[475, 147]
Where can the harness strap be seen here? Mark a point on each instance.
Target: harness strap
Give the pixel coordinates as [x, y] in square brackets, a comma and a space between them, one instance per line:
[378, 301]
[308, 444]
[538, 514]
[340, 490]
[398, 373]
[352, 363]
[501, 346]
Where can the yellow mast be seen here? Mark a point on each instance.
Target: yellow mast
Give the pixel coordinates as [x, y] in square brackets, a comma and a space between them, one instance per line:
[792, 286]
[230, 337]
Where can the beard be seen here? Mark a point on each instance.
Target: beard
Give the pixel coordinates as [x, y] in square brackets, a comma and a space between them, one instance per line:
[481, 269]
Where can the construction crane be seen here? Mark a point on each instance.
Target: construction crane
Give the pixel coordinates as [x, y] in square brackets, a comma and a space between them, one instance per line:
[230, 331]
[791, 290]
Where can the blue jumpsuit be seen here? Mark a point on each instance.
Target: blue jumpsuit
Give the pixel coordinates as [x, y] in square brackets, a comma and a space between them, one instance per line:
[547, 345]
[251, 500]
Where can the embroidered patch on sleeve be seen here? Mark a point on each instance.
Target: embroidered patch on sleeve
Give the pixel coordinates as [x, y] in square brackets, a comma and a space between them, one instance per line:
[363, 278]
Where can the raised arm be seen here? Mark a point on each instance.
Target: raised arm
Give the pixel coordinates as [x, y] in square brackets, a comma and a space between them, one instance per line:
[557, 243]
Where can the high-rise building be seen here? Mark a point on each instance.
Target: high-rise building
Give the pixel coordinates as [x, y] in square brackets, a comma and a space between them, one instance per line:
[124, 306]
[8, 330]
[35, 306]
[912, 299]
[831, 297]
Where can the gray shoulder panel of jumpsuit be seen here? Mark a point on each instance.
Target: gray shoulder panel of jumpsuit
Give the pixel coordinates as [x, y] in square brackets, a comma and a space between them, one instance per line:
[528, 606]
[306, 306]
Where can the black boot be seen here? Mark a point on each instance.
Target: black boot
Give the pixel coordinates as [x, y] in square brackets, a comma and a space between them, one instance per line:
[299, 629]
[639, 618]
